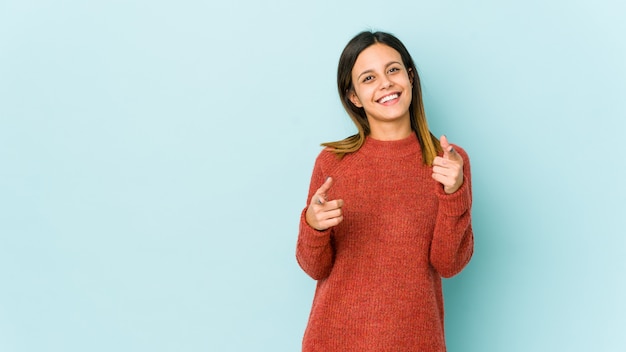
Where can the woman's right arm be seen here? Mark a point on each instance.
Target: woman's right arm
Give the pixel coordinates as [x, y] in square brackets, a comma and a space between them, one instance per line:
[314, 250]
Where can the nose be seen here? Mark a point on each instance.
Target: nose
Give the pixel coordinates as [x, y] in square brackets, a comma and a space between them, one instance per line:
[385, 83]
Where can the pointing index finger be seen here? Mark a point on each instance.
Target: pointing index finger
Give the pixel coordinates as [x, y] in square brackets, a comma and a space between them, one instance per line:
[320, 195]
[325, 186]
[448, 150]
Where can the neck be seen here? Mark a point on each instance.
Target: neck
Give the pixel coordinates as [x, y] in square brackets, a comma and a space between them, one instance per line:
[390, 131]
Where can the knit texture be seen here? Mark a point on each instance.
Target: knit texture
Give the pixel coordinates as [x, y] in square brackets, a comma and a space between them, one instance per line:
[379, 271]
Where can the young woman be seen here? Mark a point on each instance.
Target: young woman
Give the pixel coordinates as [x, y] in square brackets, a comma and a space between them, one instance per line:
[388, 212]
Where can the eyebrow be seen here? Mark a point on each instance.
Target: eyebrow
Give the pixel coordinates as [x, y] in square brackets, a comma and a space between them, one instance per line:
[372, 70]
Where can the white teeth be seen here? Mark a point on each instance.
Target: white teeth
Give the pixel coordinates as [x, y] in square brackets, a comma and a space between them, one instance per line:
[389, 97]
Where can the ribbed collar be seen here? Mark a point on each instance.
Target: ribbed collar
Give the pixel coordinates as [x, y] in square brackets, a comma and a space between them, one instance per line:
[391, 149]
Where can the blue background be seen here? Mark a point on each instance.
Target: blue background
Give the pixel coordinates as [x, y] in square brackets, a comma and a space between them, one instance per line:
[155, 157]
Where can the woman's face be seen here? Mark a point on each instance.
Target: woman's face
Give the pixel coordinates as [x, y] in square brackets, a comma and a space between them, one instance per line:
[382, 86]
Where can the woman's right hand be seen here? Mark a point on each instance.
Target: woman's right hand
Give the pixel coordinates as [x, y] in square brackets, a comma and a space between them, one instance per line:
[323, 214]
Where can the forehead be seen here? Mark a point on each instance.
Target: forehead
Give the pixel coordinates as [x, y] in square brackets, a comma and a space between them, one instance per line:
[375, 56]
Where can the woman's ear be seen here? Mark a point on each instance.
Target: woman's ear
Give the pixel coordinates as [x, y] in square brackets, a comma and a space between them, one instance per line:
[411, 75]
[354, 99]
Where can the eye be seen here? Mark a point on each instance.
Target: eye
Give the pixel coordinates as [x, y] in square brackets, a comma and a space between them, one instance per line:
[394, 69]
[368, 78]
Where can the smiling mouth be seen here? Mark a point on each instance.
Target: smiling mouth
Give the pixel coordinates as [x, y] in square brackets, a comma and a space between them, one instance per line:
[389, 97]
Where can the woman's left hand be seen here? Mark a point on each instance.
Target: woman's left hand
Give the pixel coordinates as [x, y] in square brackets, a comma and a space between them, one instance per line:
[448, 170]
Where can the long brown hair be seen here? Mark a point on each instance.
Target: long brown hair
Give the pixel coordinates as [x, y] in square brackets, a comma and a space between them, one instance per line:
[428, 142]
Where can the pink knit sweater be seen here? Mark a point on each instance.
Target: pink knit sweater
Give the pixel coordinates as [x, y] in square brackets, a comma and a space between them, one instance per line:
[379, 272]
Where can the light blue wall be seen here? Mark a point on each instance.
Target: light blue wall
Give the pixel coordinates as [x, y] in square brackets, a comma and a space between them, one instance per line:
[155, 156]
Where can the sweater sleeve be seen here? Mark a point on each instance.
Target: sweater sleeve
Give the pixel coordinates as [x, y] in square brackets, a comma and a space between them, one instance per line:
[314, 251]
[453, 240]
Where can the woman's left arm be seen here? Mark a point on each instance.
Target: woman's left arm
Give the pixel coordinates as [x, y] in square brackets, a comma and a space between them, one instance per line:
[453, 240]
